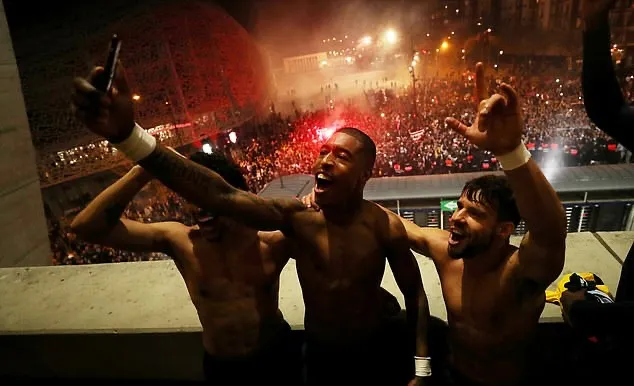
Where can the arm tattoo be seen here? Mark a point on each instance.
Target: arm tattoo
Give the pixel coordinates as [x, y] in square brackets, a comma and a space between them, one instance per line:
[208, 190]
[183, 176]
[113, 213]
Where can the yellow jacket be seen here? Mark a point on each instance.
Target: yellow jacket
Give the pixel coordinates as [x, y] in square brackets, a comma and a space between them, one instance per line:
[589, 281]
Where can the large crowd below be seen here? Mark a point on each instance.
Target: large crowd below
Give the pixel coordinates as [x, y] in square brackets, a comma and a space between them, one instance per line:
[407, 126]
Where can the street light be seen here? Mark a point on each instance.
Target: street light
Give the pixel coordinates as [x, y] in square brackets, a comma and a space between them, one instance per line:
[501, 52]
[136, 97]
[444, 46]
[391, 36]
[366, 40]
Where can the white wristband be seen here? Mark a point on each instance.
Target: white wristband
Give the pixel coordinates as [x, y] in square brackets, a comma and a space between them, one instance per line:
[138, 145]
[422, 366]
[514, 159]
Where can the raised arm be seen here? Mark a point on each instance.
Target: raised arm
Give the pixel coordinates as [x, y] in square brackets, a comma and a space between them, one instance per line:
[409, 281]
[112, 116]
[604, 102]
[542, 250]
[101, 222]
[209, 191]
[498, 128]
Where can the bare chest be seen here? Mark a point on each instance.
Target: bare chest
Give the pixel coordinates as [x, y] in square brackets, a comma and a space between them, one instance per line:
[213, 272]
[340, 256]
[485, 302]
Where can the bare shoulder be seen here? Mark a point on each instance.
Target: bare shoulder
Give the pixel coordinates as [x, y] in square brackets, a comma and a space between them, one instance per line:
[305, 217]
[423, 240]
[373, 209]
[176, 232]
[385, 220]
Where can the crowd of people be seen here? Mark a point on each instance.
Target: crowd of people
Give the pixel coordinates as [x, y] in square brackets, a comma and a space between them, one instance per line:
[412, 140]
[154, 204]
[410, 135]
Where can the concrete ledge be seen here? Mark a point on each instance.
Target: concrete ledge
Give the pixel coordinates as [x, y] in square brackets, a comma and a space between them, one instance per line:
[151, 296]
[135, 321]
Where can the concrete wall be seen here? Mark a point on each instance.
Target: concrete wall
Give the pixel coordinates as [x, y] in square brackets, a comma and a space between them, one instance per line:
[135, 320]
[24, 241]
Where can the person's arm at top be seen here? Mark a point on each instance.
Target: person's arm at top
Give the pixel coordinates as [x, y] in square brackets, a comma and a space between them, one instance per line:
[101, 222]
[409, 281]
[498, 128]
[604, 102]
[112, 116]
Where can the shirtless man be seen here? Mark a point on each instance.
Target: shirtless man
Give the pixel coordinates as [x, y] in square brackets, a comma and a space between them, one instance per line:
[493, 291]
[231, 273]
[340, 250]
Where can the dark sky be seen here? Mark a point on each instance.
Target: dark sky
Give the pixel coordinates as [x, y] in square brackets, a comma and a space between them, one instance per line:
[24, 12]
[279, 24]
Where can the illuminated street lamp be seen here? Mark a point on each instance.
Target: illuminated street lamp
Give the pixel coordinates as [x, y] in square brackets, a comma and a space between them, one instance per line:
[366, 40]
[501, 52]
[136, 97]
[391, 36]
[444, 46]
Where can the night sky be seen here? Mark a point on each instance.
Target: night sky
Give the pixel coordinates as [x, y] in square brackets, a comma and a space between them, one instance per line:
[280, 25]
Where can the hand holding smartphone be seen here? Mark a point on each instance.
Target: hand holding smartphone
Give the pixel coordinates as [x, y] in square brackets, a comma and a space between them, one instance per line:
[104, 83]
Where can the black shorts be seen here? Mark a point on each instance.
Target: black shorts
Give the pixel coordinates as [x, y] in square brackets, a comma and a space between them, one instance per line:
[385, 359]
[279, 364]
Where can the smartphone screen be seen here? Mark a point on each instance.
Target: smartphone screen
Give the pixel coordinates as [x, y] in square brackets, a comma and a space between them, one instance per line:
[105, 83]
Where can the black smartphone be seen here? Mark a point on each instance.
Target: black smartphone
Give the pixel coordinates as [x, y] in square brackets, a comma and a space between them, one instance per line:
[104, 83]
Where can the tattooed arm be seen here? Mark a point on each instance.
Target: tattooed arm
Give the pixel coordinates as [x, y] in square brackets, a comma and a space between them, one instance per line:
[101, 222]
[209, 191]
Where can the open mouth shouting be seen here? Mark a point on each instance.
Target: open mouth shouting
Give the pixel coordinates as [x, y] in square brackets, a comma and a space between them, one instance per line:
[323, 182]
[456, 236]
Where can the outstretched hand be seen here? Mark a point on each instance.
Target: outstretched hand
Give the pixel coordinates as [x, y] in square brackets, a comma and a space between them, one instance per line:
[109, 115]
[498, 123]
[309, 201]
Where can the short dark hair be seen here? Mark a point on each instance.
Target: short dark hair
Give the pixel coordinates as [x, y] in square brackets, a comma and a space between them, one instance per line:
[222, 165]
[369, 147]
[495, 192]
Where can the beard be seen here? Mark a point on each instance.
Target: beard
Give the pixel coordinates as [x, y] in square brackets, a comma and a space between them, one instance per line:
[472, 247]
